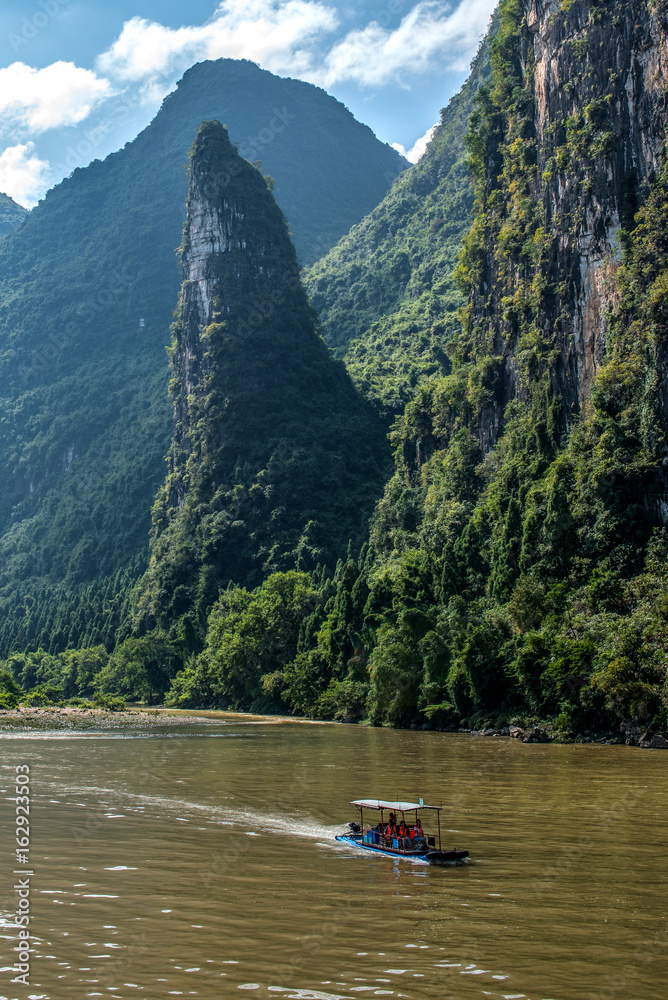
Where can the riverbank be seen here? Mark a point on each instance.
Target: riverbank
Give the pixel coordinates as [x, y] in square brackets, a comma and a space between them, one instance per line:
[85, 718]
[631, 736]
[70, 717]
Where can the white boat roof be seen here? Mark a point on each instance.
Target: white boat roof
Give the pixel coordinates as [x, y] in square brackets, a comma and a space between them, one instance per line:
[392, 806]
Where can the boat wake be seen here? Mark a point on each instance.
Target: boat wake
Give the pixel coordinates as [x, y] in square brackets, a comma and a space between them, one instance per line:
[256, 820]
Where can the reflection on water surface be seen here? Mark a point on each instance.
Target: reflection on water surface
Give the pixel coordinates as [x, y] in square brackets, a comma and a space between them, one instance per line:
[200, 862]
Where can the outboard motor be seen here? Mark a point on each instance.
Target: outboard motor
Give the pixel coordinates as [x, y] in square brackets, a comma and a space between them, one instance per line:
[355, 827]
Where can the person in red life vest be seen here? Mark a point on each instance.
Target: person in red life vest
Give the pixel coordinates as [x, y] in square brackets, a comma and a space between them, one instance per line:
[391, 829]
[417, 835]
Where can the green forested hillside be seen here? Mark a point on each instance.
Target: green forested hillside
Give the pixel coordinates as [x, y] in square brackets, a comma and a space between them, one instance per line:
[88, 286]
[386, 294]
[94, 614]
[11, 214]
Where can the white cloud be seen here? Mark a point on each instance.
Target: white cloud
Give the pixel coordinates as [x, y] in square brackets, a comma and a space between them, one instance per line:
[417, 149]
[300, 38]
[22, 176]
[290, 37]
[270, 32]
[374, 56]
[59, 94]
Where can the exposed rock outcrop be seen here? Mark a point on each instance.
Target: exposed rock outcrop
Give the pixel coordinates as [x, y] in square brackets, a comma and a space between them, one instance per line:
[600, 76]
[588, 147]
[241, 278]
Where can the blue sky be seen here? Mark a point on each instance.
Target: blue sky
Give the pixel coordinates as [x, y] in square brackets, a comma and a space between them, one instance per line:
[78, 79]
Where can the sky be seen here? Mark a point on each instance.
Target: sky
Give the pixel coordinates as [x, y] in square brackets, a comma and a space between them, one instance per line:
[79, 79]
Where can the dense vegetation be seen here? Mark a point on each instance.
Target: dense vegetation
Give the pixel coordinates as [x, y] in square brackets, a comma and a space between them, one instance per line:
[11, 214]
[55, 618]
[88, 286]
[386, 294]
[516, 566]
[140, 667]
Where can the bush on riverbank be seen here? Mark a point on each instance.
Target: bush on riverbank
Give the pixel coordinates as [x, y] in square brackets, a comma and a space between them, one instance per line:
[138, 670]
[10, 692]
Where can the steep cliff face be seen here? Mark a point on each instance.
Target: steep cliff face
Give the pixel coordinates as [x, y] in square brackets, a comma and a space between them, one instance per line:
[600, 80]
[565, 144]
[569, 147]
[239, 268]
[275, 460]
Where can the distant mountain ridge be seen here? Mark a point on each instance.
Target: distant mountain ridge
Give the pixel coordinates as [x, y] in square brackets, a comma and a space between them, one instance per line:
[87, 288]
[341, 172]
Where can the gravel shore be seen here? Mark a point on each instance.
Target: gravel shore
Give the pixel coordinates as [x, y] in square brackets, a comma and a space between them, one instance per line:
[89, 718]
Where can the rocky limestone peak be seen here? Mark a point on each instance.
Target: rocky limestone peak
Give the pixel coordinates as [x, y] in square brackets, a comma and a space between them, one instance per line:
[240, 270]
[267, 467]
[232, 217]
[236, 252]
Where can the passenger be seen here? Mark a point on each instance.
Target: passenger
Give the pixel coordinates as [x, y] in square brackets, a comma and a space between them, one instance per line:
[417, 831]
[417, 836]
[391, 830]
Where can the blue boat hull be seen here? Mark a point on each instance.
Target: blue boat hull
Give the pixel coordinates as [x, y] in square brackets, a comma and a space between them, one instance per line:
[431, 857]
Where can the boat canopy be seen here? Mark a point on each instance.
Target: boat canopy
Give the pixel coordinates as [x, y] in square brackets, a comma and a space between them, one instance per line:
[392, 806]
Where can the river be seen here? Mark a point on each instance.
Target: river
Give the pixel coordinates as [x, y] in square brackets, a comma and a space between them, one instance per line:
[200, 861]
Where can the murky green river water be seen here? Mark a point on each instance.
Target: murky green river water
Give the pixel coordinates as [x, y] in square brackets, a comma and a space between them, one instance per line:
[199, 861]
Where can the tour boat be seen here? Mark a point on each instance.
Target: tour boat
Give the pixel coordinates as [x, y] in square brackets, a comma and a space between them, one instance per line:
[386, 838]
